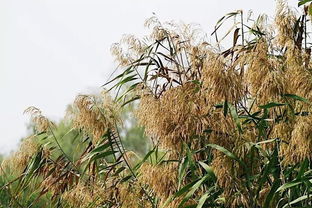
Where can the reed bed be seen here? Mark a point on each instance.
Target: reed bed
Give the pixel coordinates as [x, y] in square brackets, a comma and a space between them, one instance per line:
[229, 127]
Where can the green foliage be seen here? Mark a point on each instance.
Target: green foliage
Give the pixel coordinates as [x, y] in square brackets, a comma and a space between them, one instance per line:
[207, 146]
[133, 135]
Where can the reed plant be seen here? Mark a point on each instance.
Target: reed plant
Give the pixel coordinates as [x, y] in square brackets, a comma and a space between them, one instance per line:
[229, 127]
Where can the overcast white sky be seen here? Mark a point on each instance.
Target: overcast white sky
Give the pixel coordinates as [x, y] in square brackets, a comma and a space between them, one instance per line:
[51, 50]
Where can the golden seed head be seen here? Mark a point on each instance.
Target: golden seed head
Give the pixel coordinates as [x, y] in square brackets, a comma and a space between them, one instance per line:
[285, 21]
[19, 160]
[42, 124]
[79, 196]
[222, 82]
[300, 144]
[95, 115]
[164, 184]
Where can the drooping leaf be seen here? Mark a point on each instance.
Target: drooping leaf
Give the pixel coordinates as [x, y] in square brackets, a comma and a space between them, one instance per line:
[296, 97]
[235, 117]
[271, 105]
[235, 36]
[193, 189]
[302, 2]
[227, 153]
[202, 200]
[208, 169]
[299, 199]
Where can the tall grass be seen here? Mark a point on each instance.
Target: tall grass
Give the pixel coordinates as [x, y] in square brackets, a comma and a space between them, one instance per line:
[229, 127]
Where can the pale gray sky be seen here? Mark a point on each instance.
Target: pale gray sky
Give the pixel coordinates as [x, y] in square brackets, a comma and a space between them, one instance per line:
[51, 50]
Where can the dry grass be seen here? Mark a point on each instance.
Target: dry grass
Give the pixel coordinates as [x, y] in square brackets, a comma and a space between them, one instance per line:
[230, 128]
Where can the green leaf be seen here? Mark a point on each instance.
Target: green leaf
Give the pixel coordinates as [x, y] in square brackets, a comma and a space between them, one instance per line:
[124, 81]
[296, 97]
[35, 163]
[303, 167]
[202, 200]
[100, 148]
[137, 166]
[222, 19]
[225, 108]
[185, 189]
[126, 178]
[197, 82]
[132, 87]
[302, 2]
[271, 105]
[292, 184]
[275, 170]
[131, 100]
[235, 117]
[297, 200]
[179, 193]
[30, 170]
[193, 189]
[127, 79]
[208, 169]
[189, 154]
[220, 105]
[235, 36]
[96, 151]
[127, 71]
[182, 170]
[271, 194]
[227, 153]
[102, 155]
[119, 170]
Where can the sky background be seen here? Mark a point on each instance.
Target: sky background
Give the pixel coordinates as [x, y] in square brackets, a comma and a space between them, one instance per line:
[52, 50]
